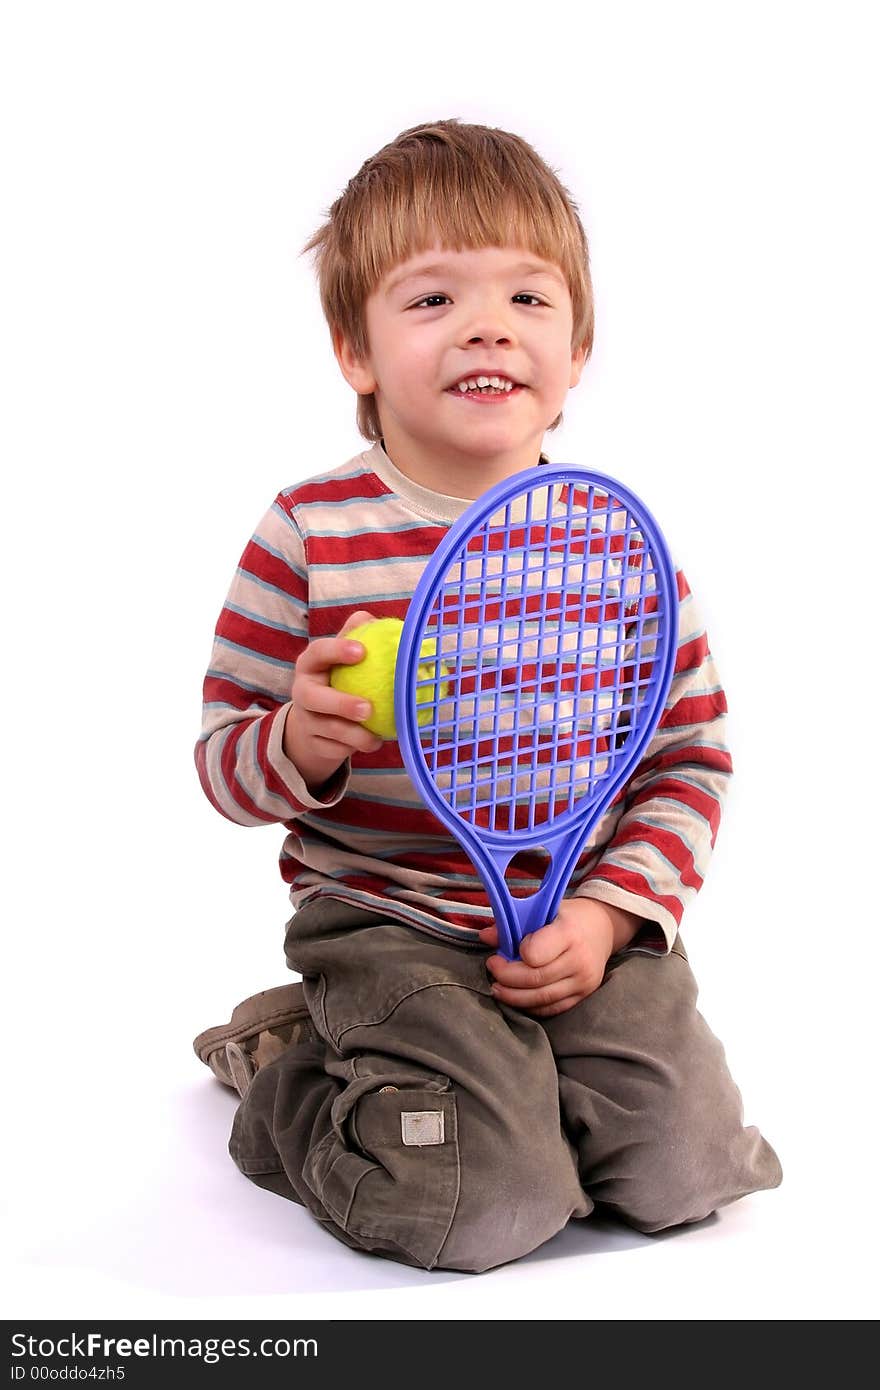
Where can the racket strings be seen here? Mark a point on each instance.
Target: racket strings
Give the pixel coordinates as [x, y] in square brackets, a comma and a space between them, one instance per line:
[544, 627]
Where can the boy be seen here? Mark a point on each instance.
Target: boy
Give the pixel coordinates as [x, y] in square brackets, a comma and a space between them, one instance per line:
[423, 1097]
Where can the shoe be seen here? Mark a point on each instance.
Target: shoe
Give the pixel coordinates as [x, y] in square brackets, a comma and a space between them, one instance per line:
[260, 1029]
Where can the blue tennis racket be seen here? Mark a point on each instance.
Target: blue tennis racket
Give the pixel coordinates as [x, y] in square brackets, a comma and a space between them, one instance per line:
[534, 665]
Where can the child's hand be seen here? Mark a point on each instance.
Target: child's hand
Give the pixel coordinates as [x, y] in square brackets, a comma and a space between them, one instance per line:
[563, 962]
[323, 727]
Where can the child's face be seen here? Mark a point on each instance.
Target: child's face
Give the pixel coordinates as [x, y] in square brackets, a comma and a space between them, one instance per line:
[443, 317]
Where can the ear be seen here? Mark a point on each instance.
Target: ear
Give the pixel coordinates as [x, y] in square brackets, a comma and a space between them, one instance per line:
[356, 370]
[578, 358]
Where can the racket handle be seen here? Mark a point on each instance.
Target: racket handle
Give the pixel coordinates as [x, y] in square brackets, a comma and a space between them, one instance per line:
[516, 918]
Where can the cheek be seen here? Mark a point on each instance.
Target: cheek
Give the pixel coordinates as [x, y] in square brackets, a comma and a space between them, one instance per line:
[415, 365]
[566, 366]
[553, 348]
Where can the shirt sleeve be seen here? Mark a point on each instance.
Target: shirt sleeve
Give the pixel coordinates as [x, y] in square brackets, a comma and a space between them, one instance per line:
[656, 859]
[261, 631]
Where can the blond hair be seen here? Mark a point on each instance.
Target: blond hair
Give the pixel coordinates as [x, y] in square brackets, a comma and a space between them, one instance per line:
[468, 186]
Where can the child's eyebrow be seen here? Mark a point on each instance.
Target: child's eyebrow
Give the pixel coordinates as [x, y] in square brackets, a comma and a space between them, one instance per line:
[444, 268]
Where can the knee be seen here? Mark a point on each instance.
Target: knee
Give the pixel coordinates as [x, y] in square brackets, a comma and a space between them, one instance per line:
[443, 1187]
[517, 1191]
[694, 1158]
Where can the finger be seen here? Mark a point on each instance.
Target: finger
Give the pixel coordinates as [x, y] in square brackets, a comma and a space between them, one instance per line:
[324, 653]
[324, 700]
[540, 998]
[334, 753]
[352, 737]
[488, 936]
[340, 749]
[562, 1007]
[516, 974]
[358, 619]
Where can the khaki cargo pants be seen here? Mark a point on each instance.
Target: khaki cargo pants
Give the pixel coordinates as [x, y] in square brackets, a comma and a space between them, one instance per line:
[430, 1124]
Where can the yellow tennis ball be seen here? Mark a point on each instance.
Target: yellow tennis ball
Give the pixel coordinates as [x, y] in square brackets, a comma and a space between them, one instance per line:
[373, 678]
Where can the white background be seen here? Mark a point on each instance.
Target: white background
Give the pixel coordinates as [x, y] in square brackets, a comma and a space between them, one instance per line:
[166, 370]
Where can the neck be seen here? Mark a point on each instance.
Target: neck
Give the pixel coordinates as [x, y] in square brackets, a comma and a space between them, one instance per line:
[452, 476]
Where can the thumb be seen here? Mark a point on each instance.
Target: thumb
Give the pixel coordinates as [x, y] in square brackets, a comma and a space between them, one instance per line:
[542, 946]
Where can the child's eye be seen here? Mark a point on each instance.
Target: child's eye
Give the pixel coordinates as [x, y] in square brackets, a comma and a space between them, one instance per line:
[533, 297]
[429, 297]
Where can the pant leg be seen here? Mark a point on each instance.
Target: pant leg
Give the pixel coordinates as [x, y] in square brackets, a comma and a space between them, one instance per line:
[648, 1100]
[425, 1126]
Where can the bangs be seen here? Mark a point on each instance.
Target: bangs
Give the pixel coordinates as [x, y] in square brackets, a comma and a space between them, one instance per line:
[465, 218]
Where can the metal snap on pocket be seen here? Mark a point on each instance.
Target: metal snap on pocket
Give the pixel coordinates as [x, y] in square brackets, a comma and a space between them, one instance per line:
[383, 1090]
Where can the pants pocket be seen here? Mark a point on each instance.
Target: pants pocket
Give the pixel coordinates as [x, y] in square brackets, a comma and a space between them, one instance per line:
[403, 1016]
[388, 1172]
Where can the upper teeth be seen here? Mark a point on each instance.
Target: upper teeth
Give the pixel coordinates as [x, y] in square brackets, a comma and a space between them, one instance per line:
[499, 382]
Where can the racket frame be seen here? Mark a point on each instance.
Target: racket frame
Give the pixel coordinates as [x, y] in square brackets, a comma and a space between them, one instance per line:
[492, 851]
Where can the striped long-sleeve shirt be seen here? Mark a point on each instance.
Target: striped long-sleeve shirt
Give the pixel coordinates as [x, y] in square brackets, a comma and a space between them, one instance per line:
[359, 537]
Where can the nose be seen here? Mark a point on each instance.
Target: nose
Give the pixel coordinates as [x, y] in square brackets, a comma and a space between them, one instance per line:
[490, 337]
[489, 321]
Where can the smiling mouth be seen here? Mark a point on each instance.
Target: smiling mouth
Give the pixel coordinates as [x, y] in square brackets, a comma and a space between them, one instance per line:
[485, 388]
